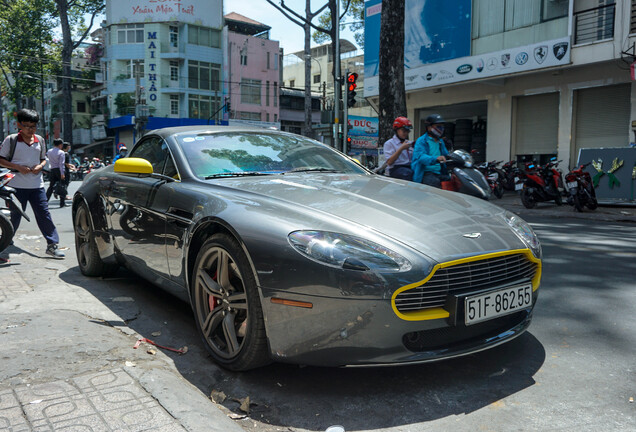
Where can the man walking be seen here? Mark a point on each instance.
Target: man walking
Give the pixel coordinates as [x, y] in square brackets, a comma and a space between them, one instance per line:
[58, 171]
[25, 153]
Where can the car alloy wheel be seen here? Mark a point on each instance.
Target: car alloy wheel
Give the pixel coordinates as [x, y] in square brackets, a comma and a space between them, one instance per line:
[226, 305]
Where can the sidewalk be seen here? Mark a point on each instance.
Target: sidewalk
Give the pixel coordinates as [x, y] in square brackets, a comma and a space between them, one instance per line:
[604, 213]
[68, 362]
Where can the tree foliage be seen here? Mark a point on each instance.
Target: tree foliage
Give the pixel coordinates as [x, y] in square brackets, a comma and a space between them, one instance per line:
[25, 46]
[355, 18]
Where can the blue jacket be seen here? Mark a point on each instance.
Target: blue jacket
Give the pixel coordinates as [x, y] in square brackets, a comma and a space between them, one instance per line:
[422, 160]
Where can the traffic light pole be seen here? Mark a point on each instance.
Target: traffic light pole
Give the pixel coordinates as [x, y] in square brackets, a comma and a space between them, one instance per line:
[345, 127]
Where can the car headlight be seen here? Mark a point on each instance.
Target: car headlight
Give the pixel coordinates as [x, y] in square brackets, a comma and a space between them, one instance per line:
[346, 251]
[524, 232]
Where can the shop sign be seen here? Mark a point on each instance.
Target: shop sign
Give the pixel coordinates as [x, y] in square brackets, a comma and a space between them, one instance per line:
[205, 13]
[363, 132]
[152, 67]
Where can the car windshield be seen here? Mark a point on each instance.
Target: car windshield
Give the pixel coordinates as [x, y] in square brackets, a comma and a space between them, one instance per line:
[218, 155]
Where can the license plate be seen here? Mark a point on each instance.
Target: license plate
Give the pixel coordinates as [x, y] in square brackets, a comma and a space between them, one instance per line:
[497, 303]
[519, 186]
[572, 184]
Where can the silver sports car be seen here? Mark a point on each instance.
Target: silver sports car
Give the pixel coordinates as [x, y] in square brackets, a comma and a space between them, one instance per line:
[290, 251]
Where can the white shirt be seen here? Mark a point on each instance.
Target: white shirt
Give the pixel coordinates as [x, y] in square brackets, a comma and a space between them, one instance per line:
[27, 155]
[390, 147]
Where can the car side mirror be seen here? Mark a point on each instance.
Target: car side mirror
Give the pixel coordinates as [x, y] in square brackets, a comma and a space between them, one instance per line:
[137, 166]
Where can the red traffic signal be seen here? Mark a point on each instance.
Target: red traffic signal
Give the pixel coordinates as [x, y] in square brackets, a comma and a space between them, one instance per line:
[351, 79]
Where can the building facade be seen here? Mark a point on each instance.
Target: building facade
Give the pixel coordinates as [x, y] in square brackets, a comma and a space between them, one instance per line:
[166, 56]
[518, 80]
[252, 71]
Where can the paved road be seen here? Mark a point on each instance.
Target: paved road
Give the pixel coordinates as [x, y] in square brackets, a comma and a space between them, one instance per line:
[575, 370]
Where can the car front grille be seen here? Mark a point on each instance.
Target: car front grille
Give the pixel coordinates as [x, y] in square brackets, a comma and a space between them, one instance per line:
[466, 277]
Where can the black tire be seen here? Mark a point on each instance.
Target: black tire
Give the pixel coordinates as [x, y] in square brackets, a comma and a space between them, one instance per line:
[226, 305]
[90, 263]
[498, 190]
[592, 203]
[6, 232]
[577, 202]
[558, 199]
[527, 199]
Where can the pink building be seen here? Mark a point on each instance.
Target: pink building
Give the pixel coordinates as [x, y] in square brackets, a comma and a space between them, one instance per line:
[253, 72]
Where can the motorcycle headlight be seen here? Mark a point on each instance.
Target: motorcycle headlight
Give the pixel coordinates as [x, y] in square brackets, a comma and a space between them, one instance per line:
[346, 251]
[523, 230]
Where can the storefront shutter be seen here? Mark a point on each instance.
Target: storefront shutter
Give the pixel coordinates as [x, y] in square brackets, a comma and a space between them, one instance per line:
[602, 117]
[537, 124]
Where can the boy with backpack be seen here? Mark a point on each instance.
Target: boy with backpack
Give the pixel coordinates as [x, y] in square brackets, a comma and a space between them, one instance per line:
[25, 152]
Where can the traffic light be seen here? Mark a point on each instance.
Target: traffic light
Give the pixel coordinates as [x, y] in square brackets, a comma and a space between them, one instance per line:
[351, 87]
[348, 146]
[228, 107]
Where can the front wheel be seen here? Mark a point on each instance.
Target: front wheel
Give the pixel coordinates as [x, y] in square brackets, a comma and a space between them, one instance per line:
[498, 190]
[227, 307]
[527, 199]
[578, 201]
[6, 232]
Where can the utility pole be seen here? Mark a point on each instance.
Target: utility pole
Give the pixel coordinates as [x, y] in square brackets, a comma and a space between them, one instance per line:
[337, 89]
[141, 111]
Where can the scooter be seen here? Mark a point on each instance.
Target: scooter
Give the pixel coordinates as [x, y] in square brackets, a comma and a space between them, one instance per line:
[494, 176]
[541, 183]
[580, 188]
[465, 178]
[7, 194]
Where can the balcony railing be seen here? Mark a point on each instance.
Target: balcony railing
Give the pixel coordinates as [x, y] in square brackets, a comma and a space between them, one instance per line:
[596, 24]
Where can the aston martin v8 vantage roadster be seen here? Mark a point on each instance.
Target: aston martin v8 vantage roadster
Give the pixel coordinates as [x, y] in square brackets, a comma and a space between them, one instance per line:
[289, 251]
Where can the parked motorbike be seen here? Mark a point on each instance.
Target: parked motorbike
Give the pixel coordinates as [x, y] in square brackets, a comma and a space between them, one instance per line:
[581, 190]
[510, 176]
[465, 178]
[541, 183]
[7, 195]
[493, 176]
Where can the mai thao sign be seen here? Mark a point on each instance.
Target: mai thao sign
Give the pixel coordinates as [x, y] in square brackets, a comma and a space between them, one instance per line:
[206, 13]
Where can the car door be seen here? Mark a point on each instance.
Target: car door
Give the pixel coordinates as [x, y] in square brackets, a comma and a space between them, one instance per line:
[137, 209]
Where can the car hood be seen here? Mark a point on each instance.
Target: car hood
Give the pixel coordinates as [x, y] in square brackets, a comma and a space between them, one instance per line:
[441, 224]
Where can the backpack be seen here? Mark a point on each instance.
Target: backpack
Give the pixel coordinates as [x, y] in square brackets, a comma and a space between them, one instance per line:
[13, 142]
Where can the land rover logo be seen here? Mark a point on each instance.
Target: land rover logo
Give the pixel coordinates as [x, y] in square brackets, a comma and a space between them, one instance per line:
[472, 235]
[464, 69]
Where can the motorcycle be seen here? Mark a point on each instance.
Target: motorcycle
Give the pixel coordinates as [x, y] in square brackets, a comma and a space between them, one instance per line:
[7, 194]
[493, 176]
[509, 177]
[465, 178]
[541, 183]
[580, 188]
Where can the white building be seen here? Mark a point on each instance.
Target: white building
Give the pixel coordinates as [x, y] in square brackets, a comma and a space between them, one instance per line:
[539, 78]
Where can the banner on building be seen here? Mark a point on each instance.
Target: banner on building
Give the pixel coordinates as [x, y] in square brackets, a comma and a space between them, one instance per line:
[205, 13]
[363, 132]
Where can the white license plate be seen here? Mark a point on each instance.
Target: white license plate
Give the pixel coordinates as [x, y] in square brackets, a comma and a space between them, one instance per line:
[519, 186]
[572, 185]
[497, 303]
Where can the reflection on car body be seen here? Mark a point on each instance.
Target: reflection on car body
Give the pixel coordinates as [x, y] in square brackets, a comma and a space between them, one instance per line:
[289, 251]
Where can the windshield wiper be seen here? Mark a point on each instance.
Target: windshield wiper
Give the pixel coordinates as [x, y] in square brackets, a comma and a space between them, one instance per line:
[308, 169]
[235, 174]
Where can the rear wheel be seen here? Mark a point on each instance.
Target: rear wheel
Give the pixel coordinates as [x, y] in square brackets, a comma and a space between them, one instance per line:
[6, 232]
[227, 306]
[558, 199]
[527, 199]
[90, 263]
[498, 190]
[578, 201]
[592, 203]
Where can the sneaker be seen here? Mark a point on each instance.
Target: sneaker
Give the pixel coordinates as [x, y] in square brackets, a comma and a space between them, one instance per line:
[53, 250]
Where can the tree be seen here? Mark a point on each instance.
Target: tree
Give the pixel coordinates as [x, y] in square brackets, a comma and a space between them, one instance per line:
[391, 71]
[74, 31]
[25, 36]
[355, 13]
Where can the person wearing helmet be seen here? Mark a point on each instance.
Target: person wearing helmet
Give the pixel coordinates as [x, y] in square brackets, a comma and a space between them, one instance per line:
[429, 153]
[123, 151]
[399, 150]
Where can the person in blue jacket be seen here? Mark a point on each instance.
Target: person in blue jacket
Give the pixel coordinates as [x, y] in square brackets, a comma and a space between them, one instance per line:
[123, 151]
[429, 153]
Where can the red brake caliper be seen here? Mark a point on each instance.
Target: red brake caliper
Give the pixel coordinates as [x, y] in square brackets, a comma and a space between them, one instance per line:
[212, 301]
